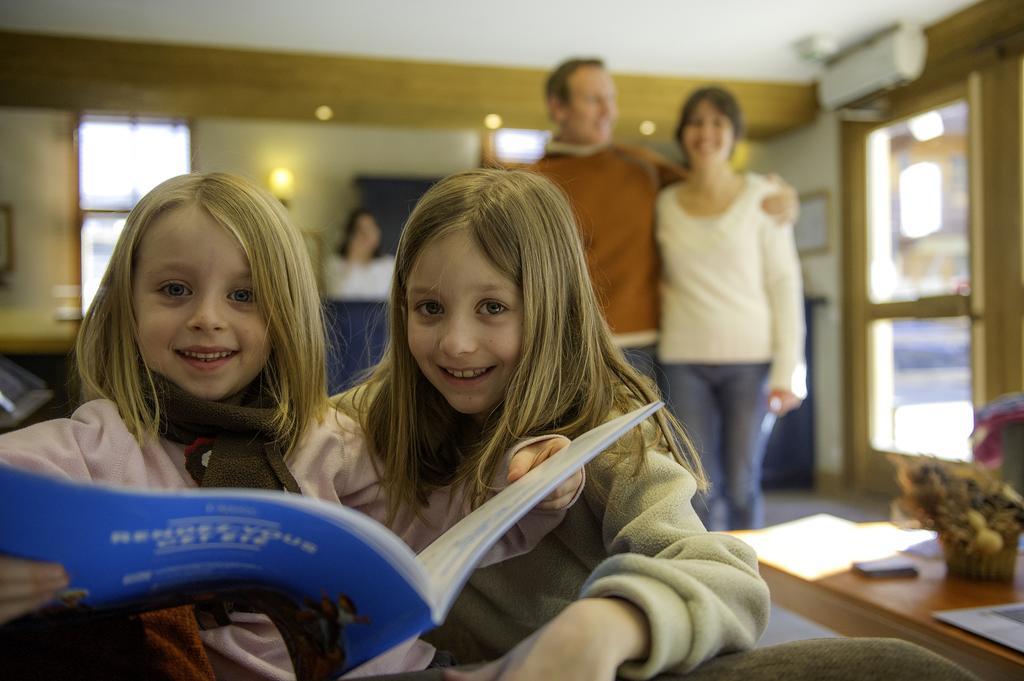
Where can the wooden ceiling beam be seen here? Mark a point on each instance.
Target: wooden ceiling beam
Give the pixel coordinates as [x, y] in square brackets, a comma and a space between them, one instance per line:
[86, 74]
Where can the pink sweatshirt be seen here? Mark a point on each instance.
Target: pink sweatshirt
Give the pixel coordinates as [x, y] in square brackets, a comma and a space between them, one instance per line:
[331, 462]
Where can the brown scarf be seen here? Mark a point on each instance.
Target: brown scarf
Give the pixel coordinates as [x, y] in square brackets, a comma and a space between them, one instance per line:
[231, 444]
[228, 444]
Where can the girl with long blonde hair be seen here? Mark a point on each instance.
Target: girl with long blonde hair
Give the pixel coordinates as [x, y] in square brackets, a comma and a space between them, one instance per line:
[496, 335]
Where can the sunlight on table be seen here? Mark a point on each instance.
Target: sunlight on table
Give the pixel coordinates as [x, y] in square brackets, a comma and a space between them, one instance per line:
[821, 545]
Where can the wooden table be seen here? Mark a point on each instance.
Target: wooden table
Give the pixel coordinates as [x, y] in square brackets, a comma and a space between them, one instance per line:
[807, 566]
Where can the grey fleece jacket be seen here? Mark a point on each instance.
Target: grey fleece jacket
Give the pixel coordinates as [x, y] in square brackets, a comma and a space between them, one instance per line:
[634, 536]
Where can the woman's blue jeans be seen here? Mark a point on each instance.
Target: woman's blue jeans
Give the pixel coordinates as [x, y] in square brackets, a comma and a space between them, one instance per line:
[724, 409]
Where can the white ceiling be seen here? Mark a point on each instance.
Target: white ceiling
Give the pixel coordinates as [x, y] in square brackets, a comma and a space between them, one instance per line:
[734, 39]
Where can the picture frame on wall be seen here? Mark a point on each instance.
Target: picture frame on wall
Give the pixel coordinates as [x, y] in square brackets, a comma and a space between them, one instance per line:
[812, 229]
[6, 239]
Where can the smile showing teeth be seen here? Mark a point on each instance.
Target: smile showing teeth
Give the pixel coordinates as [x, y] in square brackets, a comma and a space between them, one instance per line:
[206, 356]
[466, 373]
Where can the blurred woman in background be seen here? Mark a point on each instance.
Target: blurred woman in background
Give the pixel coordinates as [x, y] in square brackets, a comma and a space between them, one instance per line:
[732, 328]
[358, 270]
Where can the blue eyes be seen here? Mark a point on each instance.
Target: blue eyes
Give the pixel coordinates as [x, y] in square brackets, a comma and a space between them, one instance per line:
[432, 308]
[176, 289]
[492, 307]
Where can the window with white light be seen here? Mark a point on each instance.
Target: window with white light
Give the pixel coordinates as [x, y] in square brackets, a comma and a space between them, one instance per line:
[920, 370]
[120, 158]
[920, 200]
[517, 145]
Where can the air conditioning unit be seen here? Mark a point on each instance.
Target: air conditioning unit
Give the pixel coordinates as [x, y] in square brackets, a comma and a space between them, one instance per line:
[891, 58]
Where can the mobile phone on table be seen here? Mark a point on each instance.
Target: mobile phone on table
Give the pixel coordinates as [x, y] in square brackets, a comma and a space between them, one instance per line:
[893, 566]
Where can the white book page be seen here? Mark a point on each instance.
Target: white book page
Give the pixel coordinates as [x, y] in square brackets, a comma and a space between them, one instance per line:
[450, 559]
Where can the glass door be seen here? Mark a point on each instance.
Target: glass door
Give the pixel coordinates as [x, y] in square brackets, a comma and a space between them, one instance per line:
[933, 268]
[914, 316]
[919, 283]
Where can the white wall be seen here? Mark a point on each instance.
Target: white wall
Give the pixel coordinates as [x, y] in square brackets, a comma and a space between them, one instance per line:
[809, 159]
[325, 159]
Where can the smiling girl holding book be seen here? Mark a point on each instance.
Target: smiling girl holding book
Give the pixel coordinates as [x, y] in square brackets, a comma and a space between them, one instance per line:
[203, 362]
[496, 336]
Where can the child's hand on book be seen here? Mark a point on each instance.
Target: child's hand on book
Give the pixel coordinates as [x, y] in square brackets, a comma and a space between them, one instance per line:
[26, 585]
[531, 456]
[587, 641]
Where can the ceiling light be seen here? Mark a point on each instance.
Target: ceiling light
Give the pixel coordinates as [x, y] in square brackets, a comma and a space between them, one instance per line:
[648, 128]
[492, 121]
[324, 112]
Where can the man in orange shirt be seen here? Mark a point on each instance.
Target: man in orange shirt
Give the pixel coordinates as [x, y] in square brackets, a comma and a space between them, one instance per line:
[612, 189]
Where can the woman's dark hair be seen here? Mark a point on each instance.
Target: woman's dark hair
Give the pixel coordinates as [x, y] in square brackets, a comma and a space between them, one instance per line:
[719, 98]
[350, 231]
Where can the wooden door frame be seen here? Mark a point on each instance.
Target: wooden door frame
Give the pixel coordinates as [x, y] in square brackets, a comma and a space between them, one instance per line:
[994, 95]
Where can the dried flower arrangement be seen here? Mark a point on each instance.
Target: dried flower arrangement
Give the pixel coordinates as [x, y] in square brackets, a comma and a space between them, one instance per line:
[977, 516]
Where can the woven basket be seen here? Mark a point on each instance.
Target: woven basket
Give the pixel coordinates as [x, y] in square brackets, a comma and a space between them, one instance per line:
[991, 567]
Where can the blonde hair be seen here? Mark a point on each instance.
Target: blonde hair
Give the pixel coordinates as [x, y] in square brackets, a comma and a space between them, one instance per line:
[107, 357]
[570, 376]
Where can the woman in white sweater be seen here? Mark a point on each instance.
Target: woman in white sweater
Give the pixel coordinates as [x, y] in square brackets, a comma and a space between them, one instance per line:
[732, 330]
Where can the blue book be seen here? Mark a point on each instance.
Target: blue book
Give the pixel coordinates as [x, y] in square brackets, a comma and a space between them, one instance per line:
[341, 587]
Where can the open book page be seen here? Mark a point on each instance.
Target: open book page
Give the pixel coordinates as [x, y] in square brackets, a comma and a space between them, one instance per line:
[318, 569]
[450, 559]
[341, 587]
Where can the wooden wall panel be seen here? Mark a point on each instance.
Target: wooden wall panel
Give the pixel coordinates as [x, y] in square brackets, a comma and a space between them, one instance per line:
[87, 74]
